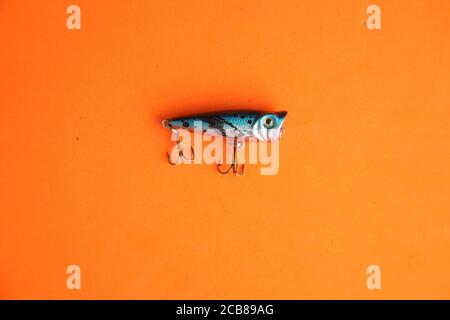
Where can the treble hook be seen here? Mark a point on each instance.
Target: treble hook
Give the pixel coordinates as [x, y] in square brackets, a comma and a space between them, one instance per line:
[234, 163]
[181, 155]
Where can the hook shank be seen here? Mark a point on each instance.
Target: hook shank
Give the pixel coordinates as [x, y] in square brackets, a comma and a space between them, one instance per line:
[238, 170]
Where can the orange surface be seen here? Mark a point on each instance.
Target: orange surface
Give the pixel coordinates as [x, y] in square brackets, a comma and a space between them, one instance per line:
[364, 176]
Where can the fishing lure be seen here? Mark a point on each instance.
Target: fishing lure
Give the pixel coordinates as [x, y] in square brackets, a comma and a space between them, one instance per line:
[236, 125]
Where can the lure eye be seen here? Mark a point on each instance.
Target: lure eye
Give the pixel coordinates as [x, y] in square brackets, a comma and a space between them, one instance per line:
[268, 123]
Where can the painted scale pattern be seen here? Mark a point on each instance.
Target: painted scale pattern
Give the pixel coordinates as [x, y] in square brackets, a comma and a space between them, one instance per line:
[229, 123]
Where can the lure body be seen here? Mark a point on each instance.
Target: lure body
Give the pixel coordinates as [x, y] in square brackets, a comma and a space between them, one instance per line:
[233, 124]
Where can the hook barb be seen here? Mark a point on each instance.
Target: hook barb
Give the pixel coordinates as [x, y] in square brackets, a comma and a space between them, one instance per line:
[166, 124]
[238, 169]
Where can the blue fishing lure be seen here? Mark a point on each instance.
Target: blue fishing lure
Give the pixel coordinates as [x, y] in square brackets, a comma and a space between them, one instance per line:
[236, 125]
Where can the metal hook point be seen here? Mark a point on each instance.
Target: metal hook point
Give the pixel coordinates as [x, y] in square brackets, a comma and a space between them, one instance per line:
[238, 170]
[181, 156]
[166, 124]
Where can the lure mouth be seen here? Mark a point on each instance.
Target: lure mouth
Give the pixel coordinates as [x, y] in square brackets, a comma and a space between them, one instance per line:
[269, 126]
[281, 115]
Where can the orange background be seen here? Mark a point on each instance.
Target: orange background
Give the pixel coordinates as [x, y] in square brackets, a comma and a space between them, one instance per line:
[364, 176]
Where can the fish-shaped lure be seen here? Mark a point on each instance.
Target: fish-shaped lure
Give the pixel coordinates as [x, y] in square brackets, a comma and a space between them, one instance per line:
[236, 125]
